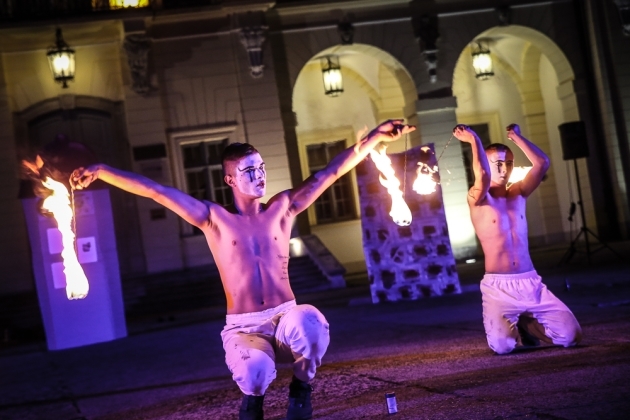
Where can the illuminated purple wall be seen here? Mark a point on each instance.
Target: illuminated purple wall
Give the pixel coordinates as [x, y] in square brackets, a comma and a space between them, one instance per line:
[100, 316]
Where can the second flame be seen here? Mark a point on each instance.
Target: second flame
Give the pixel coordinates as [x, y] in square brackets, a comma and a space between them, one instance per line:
[400, 213]
[58, 203]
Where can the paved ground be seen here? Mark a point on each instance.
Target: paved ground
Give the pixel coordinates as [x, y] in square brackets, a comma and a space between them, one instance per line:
[432, 353]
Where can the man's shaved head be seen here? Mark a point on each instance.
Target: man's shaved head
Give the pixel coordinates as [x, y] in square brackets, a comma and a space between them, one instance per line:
[498, 147]
[235, 151]
[501, 160]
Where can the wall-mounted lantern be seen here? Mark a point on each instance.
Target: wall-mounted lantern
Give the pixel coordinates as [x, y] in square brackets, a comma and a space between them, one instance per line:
[482, 62]
[122, 4]
[61, 60]
[331, 72]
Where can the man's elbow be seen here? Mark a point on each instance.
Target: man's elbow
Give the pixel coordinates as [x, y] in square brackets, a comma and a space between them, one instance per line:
[545, 163]
[155, 192]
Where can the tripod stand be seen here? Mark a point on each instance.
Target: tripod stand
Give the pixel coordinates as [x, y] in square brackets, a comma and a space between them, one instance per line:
[572, 250]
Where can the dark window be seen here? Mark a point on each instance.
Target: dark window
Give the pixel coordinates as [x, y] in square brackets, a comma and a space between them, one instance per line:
[337, 202]
[483, 131]
[153, 151]
[203, 173]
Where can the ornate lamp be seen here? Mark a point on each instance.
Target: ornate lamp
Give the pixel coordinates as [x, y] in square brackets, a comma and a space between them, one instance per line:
[482, 62]
[331, 72]
[120, 4]
[61, 60]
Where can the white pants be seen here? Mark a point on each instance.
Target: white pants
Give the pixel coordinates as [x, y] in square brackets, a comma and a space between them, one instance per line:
[508, 297]
[254, 342]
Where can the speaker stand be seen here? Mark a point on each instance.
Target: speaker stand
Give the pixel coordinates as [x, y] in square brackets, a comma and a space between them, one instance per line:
[572, 250]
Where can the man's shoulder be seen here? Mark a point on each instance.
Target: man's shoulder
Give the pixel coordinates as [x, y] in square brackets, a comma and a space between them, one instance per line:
[515, 194]
[280, 198]
[217, 210]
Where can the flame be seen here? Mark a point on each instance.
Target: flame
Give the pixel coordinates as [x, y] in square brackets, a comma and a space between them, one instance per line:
[425, 183]
[400, 213]
[58, 203]
[518, 173]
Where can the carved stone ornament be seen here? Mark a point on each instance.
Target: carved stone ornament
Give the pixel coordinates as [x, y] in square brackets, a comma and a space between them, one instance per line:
[430, 59]
[346, 32]
[623, 6]
[427, 32]
[137, 47]
[504, 15]
[252, 39]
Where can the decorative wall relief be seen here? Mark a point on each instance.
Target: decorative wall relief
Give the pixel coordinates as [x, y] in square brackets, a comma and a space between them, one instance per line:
[405, 262]
[137, 47]
[427, 32]
[253, 39]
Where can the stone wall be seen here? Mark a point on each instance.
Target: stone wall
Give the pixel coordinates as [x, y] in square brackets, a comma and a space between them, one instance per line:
[405, 262]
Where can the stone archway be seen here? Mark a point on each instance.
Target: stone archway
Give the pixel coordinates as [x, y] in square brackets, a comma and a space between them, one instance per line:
[376, 87]
[532, 86]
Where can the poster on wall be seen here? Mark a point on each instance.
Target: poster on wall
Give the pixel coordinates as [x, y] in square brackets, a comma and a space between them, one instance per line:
[413, 261]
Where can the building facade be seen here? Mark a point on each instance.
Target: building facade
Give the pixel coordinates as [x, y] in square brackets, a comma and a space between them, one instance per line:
[161, 88]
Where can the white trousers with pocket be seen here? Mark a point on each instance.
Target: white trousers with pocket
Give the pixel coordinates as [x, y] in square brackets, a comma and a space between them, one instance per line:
[289, 333]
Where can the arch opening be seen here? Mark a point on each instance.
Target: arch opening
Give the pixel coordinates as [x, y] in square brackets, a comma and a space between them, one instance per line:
[533, 87]
[376, 87]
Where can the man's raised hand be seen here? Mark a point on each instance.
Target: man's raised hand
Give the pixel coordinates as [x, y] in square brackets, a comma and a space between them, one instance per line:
[464, 133]
[513, 130]
[391, 130]
[81, 178]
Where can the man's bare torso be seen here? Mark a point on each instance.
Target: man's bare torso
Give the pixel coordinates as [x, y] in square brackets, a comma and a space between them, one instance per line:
[252, 255]
[501, 226]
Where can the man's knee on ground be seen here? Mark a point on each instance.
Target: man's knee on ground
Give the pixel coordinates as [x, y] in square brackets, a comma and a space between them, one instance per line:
[502, 345]
[568, 333]
[254, 372]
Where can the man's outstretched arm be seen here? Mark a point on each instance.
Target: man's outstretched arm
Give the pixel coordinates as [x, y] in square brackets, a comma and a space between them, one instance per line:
[190, 209]
[538, 158]
[481, 167]
[304, 195]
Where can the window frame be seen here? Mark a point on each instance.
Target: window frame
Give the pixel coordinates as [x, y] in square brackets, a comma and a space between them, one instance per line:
[345, 134]
[179, 138]
[493, 121]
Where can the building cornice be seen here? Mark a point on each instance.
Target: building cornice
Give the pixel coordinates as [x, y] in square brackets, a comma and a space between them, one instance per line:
[212, 12]
[322, 7]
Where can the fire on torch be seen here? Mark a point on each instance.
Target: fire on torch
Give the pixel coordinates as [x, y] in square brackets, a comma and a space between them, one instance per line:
[518, 174]
[425, 182]
[58, 203]
[400, 213]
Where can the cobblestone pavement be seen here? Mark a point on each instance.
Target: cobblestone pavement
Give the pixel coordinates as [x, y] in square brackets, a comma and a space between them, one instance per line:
[432, 353]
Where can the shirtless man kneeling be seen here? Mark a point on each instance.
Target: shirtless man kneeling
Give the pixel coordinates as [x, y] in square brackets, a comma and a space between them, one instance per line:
[518, 309]
[250, 245]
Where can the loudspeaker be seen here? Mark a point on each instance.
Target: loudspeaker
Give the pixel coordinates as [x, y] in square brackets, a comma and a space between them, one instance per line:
[573, 138]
